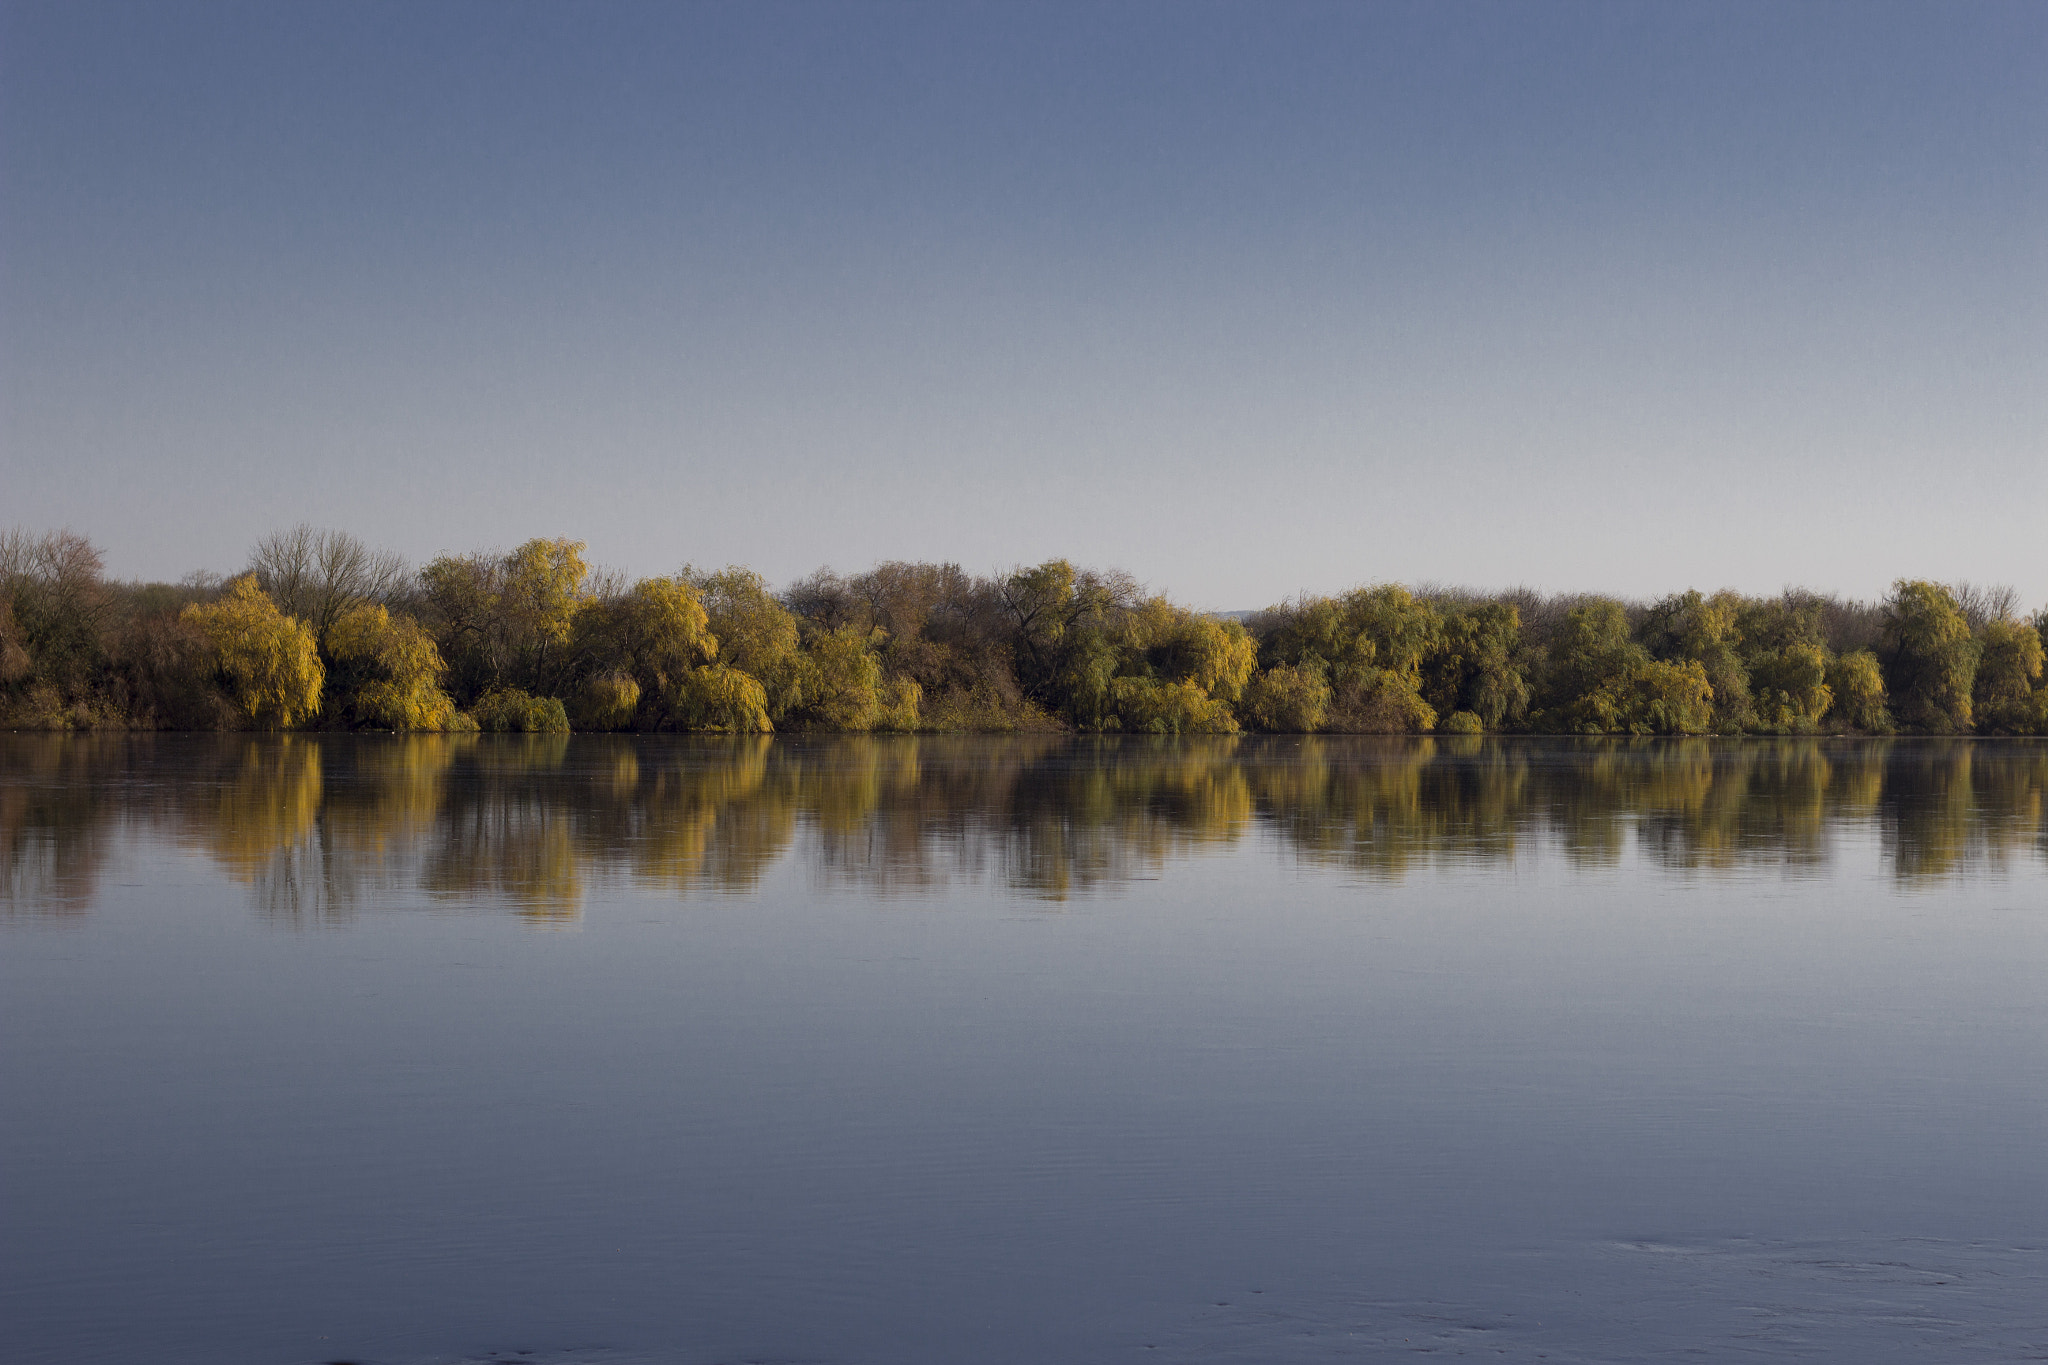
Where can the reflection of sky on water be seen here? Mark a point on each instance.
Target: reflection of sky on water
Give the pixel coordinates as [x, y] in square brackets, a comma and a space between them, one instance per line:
[315, 825]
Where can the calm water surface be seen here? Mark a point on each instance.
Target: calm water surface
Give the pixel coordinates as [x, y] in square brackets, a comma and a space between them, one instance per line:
[437, 1050]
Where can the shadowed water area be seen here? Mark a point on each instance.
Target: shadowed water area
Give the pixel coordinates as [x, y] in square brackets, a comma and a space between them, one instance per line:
[455, 1048]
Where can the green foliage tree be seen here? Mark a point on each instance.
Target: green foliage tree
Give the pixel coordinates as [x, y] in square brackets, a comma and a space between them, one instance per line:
[1789, 689]
[1857, 696]
[1369, 646]
[1589, 660]
[841, 682]
[1704, 630]
[266, 659]
[1930, 659]
[1063, 625]
[1477, 669]
[1784, 648]
[1286, 699]
[2005, 689]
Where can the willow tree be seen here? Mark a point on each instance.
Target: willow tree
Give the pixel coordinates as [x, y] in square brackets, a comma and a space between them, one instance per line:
[757, 635]
[722, 700]
[1689, 626]
[1789, 692]
[635, 649]
[266, 661]
[1661, 698]
[841, 683]
[538, 599]
[2006, 695]
[512, 710]
[1930, 658]
[1177, 671]
[1478, 668]
[386, 673]
[1369, 646]
[1175, 644]
[508, 620]
[1588, 660]
[1165, 706]
[1063, 628]
[1286, 699]
[1856, 693]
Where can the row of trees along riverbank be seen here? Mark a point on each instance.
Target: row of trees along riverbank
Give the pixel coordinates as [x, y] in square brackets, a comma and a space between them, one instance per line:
[320, 631]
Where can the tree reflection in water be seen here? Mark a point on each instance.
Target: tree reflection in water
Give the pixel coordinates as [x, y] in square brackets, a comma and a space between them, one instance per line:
[317, 826]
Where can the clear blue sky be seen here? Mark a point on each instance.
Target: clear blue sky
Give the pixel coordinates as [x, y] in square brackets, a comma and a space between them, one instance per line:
[1243, 298]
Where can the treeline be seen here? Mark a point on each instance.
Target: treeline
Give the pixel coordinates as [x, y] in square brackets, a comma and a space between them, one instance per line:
[320, 631]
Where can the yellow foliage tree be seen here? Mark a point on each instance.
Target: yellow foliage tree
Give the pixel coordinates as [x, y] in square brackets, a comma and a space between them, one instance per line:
[396, 670]
[1667, 699]
[902, 704]
[1649, 697]
[1856, 690]
[608, 701]
[1179, 645]
[267, 659]
[542, 588]
[721, 699]
[2007, 671]
[842, 681]
[1789, 691]
[645, 642]
[508, 620]
[1931, 657]
[1369, 647]
[1706, 631]
[1370, 700]
[1287, 700]
[509, 710]
[1153, 706]
[756, 634]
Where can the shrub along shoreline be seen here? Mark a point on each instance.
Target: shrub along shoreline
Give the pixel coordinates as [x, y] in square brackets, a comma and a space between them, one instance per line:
[322, 632]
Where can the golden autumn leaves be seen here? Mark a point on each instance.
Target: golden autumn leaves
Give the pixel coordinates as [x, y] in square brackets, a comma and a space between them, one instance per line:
[323, 632]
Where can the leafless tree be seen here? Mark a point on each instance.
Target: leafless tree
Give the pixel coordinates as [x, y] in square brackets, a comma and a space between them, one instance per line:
[1983, 603]
[822, 598]
[319, 575]
[52, 588]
